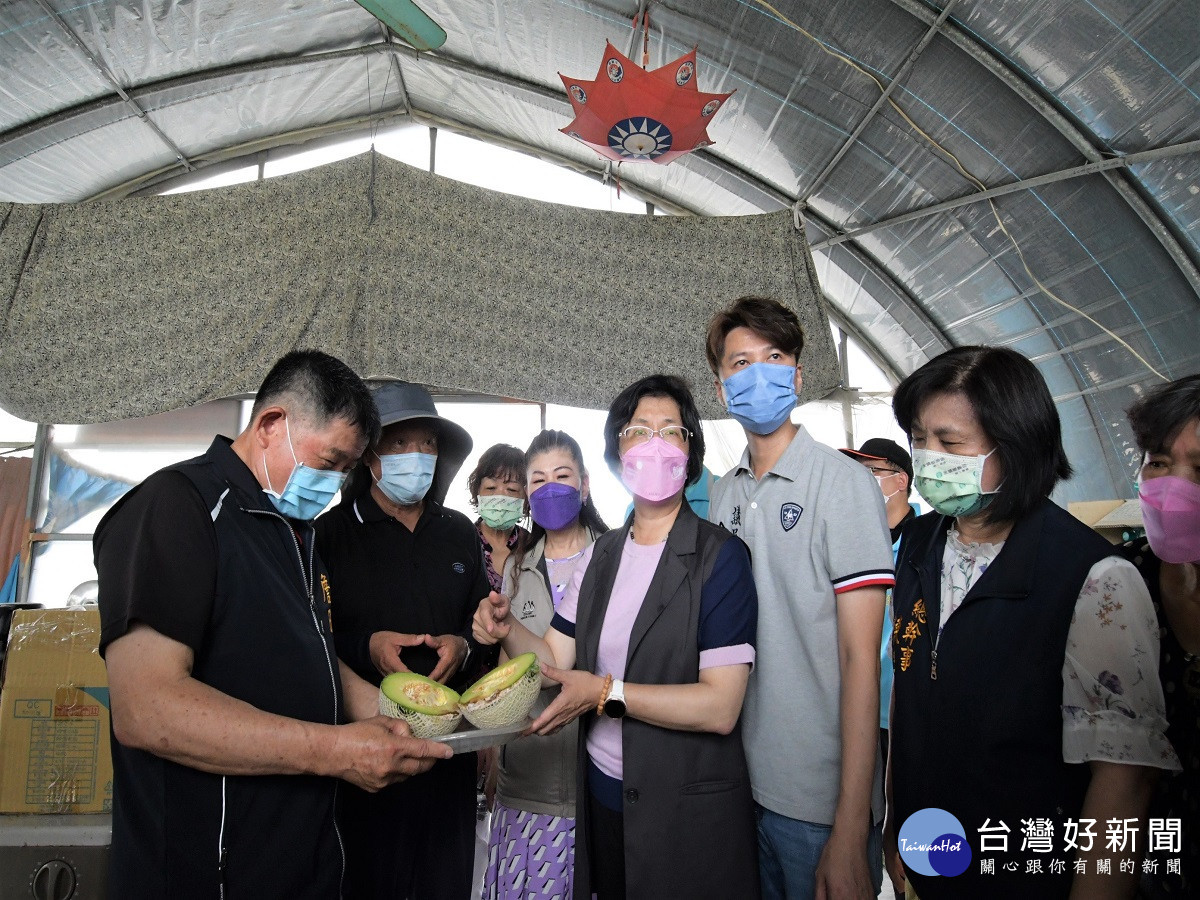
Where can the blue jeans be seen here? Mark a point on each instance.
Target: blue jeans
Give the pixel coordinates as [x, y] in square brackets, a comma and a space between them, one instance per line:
[789, 850]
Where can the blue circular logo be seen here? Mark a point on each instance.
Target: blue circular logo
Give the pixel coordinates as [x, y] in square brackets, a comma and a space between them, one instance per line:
[933, 842]
[640, 138]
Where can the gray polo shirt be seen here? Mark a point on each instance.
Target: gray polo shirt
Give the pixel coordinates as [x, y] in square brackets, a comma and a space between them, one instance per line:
[816, 528]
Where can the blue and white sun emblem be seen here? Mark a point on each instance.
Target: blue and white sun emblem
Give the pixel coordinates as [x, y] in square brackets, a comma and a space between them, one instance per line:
[615, 70]
[789, 515]
[640, 138]
[684, 73]
[578, 93]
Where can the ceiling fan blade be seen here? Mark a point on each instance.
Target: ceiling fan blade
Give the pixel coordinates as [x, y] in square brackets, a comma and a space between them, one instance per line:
[408, 20]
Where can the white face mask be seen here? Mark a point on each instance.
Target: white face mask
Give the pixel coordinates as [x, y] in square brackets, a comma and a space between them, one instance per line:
[881, 479]
[951, 484]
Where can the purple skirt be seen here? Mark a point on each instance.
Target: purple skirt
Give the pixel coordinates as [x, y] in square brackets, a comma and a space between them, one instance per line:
[529, 856]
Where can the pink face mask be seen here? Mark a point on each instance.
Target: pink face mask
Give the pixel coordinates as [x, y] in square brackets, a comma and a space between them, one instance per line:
[1171, 514]
[654, 470]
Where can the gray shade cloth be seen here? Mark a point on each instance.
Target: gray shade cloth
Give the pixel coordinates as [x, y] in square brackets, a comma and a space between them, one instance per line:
[126, 308]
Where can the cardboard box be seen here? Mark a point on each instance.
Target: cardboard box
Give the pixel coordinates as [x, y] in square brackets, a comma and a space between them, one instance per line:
[1116, 520]
[54, 719]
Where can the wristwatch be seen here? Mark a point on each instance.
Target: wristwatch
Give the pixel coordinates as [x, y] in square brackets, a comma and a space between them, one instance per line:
[614, 706]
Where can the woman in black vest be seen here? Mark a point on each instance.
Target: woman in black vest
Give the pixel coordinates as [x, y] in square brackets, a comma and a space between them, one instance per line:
[1166, 425]
[653, 645]
[1026, 709]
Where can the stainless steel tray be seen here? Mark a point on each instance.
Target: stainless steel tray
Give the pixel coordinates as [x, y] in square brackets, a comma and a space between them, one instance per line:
[468, 738]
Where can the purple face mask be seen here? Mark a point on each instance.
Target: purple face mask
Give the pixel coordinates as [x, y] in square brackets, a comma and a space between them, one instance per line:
[555, 505]
[1171, 514]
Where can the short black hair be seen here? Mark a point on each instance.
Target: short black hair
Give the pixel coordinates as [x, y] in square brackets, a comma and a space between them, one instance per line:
[1013, 405]
[504, 462]
[621, 411]
[765, 316]
[1159, 416]
[319, 388]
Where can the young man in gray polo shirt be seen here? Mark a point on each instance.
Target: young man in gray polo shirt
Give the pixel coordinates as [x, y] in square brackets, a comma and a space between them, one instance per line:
[815, 524]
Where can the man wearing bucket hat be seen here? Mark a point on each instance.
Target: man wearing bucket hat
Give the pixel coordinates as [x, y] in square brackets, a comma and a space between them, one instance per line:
[405, 576]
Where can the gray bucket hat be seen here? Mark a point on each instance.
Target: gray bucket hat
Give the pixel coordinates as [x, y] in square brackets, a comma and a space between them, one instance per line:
[403, 401]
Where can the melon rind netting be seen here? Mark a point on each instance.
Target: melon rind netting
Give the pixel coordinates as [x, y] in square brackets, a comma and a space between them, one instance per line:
[509, 706]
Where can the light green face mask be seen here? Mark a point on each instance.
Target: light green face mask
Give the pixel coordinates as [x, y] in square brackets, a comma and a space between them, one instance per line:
[500, 511]
[949, 483]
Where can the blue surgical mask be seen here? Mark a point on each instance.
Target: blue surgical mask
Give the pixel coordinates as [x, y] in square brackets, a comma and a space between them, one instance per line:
[405, 478]
[308, 490]
[761, 396]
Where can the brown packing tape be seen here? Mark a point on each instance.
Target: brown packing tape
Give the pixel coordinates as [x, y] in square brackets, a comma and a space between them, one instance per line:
[64, 629]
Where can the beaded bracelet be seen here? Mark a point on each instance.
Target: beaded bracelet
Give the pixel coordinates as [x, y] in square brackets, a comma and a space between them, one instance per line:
[604, 692]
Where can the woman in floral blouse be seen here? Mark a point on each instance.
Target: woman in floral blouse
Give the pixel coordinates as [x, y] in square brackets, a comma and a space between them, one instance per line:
[1166, 424]
[1025, 697]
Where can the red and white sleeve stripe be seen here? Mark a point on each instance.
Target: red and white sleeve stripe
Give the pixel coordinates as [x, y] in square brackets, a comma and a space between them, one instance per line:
[884, 578]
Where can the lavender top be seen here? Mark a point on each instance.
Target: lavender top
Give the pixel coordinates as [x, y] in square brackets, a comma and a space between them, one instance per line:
[725, 638]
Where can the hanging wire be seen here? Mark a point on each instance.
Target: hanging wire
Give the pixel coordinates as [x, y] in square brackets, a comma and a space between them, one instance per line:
[374, 132]
[383, 96]
[971, 178]
[639, 21]
[646, 37]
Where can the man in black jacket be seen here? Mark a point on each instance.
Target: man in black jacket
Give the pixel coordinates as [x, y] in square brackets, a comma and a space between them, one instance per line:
[232, 717]
[407, 575]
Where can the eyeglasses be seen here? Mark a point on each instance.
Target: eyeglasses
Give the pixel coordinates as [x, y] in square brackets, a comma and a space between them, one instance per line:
[880, 472]
[640, 434]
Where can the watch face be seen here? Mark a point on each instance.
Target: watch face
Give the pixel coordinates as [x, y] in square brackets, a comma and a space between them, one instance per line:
[614, 708]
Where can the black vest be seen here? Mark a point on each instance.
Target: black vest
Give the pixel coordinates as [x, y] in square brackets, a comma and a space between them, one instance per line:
[269, 644]
[983, 739]
[688, 812]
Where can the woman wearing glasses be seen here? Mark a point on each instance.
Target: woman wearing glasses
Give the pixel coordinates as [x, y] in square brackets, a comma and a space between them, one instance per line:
[653, 645]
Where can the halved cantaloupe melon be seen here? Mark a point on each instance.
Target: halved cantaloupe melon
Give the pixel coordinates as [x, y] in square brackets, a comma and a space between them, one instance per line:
[504, 695]
[429, 708]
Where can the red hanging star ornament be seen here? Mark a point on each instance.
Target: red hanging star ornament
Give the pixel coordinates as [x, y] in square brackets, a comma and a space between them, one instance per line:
[631, 114]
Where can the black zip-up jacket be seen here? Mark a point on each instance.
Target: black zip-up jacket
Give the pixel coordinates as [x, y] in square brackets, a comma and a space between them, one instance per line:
[182, 833]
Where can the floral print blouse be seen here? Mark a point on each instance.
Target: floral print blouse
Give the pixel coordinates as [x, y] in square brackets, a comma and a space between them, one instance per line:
[1112, 708]
[1176, 796]
[496, 579]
